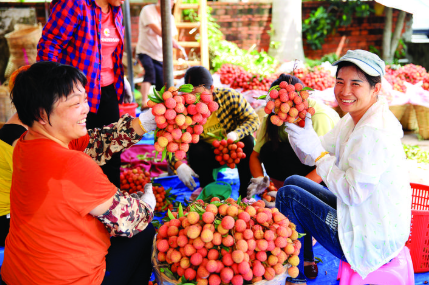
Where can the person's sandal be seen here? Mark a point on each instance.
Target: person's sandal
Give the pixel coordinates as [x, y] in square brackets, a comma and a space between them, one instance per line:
[311, 271]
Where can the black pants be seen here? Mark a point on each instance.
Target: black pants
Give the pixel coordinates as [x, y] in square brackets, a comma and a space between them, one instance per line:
[282, 162]
[108, 112]
[153, 72]
[129, 259]
[202, 160]
[4, 229]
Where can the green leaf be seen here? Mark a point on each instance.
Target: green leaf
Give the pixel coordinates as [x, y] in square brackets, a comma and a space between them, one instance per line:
[262, 97]
[162, 90]
[274, 87]
[239, 200]
[164, 154]
[307, 88]
[318, 260]
[170, 215]
[225, 248]
[180, 211]
[300, 235]
[216, 203]
[157, 95]
[155, 99]
[217, 222]
[170, 156]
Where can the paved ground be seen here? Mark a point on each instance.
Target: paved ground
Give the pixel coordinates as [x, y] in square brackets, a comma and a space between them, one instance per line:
[419, 172]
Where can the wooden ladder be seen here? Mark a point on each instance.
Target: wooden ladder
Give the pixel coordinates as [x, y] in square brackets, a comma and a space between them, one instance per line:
[202, 44]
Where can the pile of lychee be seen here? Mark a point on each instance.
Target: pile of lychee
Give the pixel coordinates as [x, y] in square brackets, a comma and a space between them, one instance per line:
[180, 118]
[134, 179]
[289, 103]
[228, 242]
[228, 152]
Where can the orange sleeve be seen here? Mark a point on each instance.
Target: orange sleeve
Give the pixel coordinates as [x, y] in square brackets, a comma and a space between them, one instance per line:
[85, 185]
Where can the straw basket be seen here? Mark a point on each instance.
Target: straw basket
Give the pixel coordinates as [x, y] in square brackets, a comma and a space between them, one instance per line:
[162, 278]
[422, 114]
[409, 119]
[398, 111]
[6, 107]
[22, 47]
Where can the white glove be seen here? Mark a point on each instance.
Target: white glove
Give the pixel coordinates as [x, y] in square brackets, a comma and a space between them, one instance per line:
[148, 196]
[147, 120]
[271, 204]
[232, 135]
[128, 92]
[185, 174]
[305, 141]
[257, 186]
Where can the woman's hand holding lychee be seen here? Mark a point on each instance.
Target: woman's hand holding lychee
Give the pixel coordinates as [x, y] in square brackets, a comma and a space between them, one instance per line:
[271, 204]
[305, 141]
[257, 185]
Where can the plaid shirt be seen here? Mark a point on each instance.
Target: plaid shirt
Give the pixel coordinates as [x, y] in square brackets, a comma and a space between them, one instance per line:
[72, 36]
[234, 114]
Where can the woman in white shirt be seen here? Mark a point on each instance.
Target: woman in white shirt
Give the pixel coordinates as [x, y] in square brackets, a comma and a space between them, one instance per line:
[364, 218]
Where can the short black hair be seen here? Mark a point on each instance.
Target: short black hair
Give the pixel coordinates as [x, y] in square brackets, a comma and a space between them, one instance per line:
[290, 79]
[39, 87]
[272, 131]
[199, 75]
[372, 80]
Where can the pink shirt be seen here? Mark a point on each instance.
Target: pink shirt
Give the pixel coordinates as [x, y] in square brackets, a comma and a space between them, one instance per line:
[110, 39]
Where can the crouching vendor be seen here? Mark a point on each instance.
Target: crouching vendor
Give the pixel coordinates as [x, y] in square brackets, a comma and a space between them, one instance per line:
[63, 208]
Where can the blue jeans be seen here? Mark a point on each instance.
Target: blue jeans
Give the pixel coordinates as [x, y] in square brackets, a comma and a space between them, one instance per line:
[312, 208]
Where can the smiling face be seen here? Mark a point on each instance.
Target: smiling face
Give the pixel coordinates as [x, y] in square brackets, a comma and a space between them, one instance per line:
[354, 93]
[68, 116]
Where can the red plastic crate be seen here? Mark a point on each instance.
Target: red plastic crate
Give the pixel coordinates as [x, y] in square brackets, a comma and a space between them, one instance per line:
[129, 108]
[418, 241]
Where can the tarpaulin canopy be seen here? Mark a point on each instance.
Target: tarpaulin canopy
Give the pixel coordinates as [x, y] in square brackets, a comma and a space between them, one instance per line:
[409, 6]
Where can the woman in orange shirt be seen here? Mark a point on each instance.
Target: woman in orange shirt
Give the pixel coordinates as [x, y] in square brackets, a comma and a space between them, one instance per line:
[63, 208]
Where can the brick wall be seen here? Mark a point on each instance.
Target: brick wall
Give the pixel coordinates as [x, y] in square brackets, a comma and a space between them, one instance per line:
[361, 34]
[244, 23]
[248, 23]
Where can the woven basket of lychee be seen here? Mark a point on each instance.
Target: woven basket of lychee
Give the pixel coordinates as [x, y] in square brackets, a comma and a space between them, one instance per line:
[179, 116]
[226, 242]
[289, 103]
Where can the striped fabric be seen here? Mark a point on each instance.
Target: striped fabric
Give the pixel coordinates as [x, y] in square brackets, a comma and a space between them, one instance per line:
[72, 36]
[234, 114]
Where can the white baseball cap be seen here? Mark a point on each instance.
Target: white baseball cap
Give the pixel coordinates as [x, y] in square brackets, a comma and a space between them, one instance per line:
[369, 62]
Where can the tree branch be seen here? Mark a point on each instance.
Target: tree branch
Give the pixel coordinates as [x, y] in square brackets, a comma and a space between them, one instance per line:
[397, 34]
[387, 33]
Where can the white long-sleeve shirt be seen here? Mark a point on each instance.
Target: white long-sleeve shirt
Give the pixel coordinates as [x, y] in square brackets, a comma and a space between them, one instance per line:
[365, 169]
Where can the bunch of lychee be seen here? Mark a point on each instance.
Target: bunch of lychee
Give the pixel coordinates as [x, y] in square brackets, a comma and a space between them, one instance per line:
[289, 103]
[134, 179]
[180, 118]
[229, 243]
[270, 188]
[228, 152]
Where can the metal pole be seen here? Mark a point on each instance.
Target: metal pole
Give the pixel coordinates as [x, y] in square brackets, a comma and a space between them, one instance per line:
[46, 11]
[167, 43]
[127, 22]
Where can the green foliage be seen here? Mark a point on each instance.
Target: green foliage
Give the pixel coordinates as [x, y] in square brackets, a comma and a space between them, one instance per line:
[323, 22]
[222, 51]
[400, 51]
[415, 153]
[331, 57]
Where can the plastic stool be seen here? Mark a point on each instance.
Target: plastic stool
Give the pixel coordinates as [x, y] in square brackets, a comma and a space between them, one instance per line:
[398, 272]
